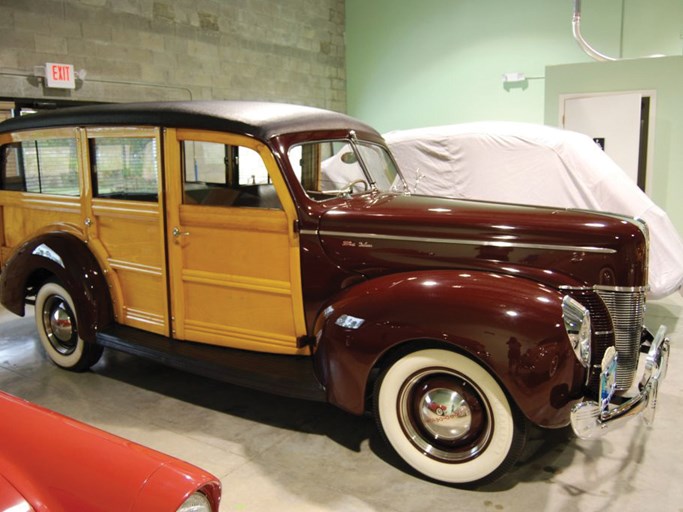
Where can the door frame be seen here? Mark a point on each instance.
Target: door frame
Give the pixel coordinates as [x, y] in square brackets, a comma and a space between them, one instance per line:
[151, 213]
[173, 201]
[650, 142]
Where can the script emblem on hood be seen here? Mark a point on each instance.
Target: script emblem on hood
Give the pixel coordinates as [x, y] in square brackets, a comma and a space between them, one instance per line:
[362, 245]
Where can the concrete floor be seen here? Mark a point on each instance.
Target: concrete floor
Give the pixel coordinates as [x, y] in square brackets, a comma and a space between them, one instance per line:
[288, 455]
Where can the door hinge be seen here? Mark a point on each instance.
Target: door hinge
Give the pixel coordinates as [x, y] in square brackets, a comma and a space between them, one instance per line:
[305, 341]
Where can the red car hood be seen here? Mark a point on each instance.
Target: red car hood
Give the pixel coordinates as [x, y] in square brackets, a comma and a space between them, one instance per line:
[10, 498]
[60, 464]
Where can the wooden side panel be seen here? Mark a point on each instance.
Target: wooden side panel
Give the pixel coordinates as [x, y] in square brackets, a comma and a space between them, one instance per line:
[127, 239]
[24, 215]
[234, 271]
[236, 280]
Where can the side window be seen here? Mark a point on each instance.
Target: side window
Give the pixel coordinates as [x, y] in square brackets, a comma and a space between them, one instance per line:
[217, 174]
[12, 177]
[125, 168]
[48, 166]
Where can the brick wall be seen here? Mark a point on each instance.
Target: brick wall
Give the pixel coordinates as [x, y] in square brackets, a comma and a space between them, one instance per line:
[139, 50]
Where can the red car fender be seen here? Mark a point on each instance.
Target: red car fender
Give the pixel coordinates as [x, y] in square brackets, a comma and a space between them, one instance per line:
[160, 491]
[59, 464]
[495, 319]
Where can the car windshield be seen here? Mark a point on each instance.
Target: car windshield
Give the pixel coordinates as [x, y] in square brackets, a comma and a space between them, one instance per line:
[342, 167]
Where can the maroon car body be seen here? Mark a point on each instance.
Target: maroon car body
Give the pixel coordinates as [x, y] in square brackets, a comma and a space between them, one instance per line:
[403, 242]
[49, 462]
[501, 312]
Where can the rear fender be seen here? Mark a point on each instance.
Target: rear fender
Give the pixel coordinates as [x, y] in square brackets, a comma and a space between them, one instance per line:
[64, 257]
[510, 325]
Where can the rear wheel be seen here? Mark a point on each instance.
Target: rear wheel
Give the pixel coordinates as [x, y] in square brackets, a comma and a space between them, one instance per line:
[57, 326]
[448, 418]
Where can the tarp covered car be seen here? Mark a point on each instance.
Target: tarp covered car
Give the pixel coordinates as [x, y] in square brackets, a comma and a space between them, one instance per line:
[537, 165]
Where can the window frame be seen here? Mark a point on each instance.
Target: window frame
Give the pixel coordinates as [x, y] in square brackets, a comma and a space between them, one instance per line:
[44, 135]
[232, 191]
[95, 135]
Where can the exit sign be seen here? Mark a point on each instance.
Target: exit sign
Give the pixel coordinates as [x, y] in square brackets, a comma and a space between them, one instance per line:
[60, 76]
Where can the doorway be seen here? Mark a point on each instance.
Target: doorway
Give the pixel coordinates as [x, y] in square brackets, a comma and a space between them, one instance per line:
[619, 123]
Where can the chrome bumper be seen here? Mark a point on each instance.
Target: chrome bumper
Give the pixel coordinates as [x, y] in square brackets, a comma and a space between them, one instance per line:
[590, 420]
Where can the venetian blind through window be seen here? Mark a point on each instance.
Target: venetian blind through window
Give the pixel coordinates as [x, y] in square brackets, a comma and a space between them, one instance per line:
[125, 168]
[48, 166]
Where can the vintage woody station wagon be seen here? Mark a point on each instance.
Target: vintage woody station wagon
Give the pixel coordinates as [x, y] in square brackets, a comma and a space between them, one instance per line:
[277, 247]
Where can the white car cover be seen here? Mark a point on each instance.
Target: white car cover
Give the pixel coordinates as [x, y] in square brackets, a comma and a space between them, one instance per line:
[535, 165]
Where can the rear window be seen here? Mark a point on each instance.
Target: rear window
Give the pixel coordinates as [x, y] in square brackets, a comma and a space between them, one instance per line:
[47, 166]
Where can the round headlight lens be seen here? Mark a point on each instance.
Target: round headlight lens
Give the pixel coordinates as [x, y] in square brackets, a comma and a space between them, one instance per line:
[577, 323]
[197, 502]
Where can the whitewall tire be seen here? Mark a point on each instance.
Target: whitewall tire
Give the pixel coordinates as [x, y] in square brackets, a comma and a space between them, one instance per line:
[448, 418]
[57, 326]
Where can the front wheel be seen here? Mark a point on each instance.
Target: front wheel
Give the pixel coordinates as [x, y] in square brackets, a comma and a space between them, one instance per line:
[448, 418]
[57, 326]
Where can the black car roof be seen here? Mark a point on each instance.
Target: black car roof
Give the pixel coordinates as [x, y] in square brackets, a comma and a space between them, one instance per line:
[258, 119]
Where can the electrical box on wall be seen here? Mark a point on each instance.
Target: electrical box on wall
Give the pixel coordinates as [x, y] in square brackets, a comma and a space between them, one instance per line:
[513, 77]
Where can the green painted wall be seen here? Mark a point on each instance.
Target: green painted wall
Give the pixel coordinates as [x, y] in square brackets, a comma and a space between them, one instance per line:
[664, 76]
[412, 64]
[431, 62]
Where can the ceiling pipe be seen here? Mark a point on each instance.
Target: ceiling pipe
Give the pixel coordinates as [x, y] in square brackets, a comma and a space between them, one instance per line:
[576, 30]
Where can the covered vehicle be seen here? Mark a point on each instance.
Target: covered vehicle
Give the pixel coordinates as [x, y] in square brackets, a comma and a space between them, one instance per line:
[537, 165]
[49, 462]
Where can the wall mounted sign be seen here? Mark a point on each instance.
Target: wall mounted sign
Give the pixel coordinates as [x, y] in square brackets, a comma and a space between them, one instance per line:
[60, 76]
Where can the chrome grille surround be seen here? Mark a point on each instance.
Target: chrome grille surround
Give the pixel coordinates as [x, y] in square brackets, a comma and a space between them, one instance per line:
[626, 306]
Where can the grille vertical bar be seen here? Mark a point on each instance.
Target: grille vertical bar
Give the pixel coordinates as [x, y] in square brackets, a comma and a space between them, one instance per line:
[627, 309]
[603, 332]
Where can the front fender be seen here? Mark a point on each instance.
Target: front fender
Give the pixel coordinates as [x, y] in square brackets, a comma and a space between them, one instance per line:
[67, 258]
[510, 325]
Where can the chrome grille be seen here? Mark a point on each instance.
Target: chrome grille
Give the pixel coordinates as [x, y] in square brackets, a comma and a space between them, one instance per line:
[627, 309]
[603, 333]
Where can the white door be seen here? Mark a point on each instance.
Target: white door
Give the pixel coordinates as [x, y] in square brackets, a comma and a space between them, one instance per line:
[614, 122]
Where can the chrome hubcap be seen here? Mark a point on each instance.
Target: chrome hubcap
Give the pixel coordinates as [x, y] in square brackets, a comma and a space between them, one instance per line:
[59, 324]
[445, 415]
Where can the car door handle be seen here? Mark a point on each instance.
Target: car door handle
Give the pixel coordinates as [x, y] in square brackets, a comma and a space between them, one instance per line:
[176, 232]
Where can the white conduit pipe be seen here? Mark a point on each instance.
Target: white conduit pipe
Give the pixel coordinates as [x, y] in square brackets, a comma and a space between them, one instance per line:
[576, 29]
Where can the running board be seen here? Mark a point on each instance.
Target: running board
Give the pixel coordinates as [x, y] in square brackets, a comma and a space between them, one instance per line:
[291, 376]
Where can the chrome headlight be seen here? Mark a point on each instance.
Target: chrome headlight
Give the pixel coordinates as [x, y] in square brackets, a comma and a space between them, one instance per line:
[197, 502]
[577, 323]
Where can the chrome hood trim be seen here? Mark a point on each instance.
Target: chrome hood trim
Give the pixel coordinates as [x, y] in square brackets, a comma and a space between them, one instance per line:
[484, 243]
